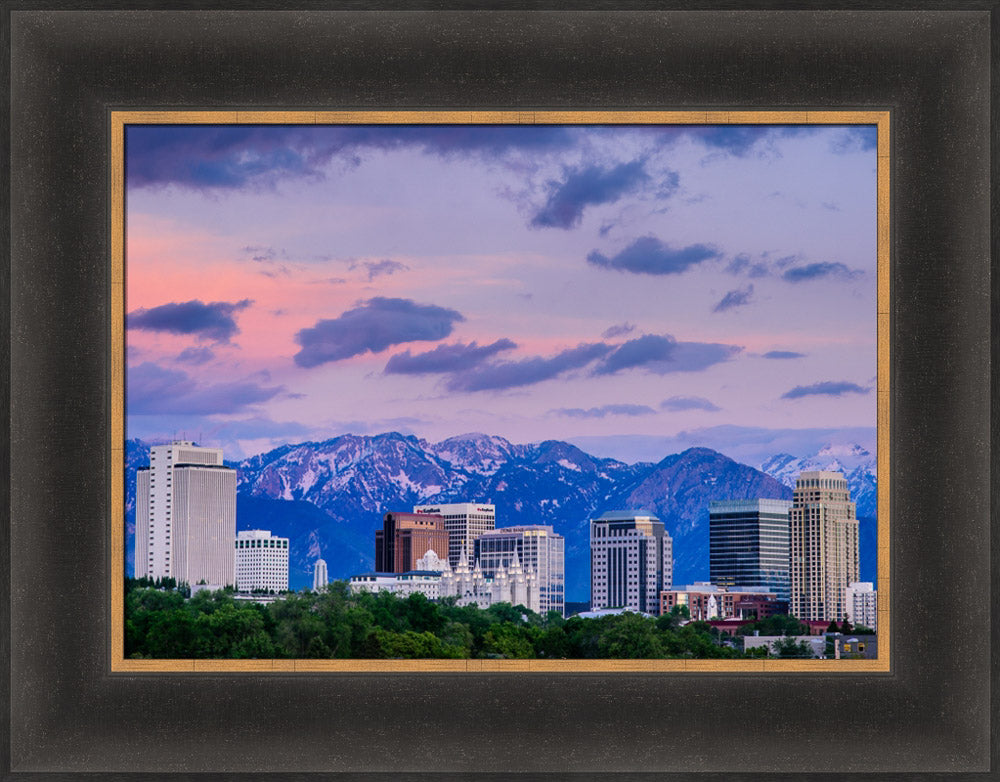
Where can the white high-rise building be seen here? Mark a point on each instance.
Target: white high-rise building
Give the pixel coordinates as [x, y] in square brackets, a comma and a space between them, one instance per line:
[320, 578]
[538, 548]
[261, 561]
[464, 522]
[861, 604]
[631, 561]
[185, 515]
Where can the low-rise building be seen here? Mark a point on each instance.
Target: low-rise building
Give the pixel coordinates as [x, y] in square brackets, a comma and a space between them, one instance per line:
[709, 601]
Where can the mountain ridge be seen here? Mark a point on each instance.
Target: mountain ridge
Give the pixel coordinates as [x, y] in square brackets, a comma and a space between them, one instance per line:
[328, 497]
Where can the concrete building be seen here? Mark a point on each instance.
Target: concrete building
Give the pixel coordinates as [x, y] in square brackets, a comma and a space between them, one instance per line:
[631, 561]
[320, 577]
[261, 561]
[405, 538]
[708, 601]
[748, 543]
[185, 515]
[464, 521]
[861, 600]
[855, 647]
[824, 546]
[538, 548]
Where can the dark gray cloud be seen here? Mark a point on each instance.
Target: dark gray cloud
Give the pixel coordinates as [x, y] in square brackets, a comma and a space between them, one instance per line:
[816, 271]
[736, 298]
[678, 403]
[377, 268]
[662, 354]
[153, 390]
[196, 356]
[445, 358]
[587, 186]
[825, 388]
[648, 255]
[373, 326]
[618, 330]
[212, 321]
[605, 410]
[511, 374]
[783, 354]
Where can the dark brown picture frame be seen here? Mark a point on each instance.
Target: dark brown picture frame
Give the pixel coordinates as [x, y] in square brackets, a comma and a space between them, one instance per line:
[69, 713]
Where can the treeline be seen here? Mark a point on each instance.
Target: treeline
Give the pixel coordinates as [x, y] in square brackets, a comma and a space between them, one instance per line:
[165, 623]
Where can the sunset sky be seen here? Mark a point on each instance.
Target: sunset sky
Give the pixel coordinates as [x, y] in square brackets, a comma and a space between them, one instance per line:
[291, 283]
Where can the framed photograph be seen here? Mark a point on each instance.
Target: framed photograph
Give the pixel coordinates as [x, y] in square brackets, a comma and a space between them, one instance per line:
[452, 421]
[457, 221]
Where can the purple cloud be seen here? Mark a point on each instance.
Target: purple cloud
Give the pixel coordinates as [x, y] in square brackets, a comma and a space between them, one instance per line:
[212, 321]
[678, 403]
[826, 388]
[373, 326]
[783, 354]
[377, 268]
[196, 356]
[736, 298]
[153, 390]
[605, 410]
[618, 330]
[445, 358]
[511, 374]
[662, 354]
[648, 255]
[816, 271]
[583, 187]
[234, 156]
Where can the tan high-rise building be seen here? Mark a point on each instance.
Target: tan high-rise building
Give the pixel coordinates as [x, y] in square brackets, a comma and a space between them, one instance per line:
[824, 546]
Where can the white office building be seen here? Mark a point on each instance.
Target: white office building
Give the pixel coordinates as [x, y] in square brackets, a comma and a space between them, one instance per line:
[320, 578]
[539, 550]
[464, 522]
[631, 561]
[185, 515]
[261, 561]
[861, 604]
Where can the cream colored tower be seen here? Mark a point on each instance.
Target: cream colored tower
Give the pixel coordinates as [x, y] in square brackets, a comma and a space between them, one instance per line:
[824, 546]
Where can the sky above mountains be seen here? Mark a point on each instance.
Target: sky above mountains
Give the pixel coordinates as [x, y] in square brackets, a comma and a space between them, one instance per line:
[287, 283]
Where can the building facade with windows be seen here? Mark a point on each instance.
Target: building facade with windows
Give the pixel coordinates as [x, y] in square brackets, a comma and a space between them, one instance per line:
[464, 522]
[538, 549]
[185, 515]
[405, 538]
[861, 602]
[631, 561]
[706, 601]
[261, 561]
[748, 544]
[824, 546]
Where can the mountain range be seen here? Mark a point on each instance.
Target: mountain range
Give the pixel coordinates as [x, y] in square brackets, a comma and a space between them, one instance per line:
[328, 497]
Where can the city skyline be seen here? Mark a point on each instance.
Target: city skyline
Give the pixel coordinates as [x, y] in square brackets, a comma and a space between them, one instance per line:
[296, 283]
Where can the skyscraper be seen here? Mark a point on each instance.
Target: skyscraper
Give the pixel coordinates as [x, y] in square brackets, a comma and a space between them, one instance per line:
[320, 578]
[464, 521]
[748, 544]
[539, 549]
[405, 538]
[631, 561]
[824, 546]
[261, 561]
[185, 515]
